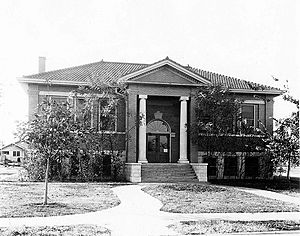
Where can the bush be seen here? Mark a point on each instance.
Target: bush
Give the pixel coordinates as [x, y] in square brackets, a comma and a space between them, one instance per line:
[80, 167]
[34, 165]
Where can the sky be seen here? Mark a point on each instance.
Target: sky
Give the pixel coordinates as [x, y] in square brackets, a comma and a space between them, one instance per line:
[252, 40]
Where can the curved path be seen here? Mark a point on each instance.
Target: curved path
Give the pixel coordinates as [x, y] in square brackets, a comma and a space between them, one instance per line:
[138, 214]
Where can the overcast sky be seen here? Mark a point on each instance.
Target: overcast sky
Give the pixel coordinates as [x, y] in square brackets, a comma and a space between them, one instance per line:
[251, 40]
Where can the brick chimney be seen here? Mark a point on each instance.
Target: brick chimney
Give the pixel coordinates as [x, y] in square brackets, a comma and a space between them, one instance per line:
[42, 64]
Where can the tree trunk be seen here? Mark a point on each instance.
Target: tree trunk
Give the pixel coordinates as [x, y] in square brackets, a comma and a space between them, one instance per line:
[46, 182]
[288, 168]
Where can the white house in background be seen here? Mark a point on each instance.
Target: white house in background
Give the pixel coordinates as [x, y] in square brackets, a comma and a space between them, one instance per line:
[13, 152]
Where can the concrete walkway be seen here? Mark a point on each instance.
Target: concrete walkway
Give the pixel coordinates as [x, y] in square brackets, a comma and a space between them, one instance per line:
[272, 195]
[138, 214]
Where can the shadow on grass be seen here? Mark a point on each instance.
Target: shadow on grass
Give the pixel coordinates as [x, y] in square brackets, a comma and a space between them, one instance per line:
[277, 183]
[225, 226]
[74, 230]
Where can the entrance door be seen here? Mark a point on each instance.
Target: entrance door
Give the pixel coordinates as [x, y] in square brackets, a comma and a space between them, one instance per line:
[158, 148]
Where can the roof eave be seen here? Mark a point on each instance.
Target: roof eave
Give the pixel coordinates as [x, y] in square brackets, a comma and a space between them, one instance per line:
[271, 92]
[57, 82]
[162, 83]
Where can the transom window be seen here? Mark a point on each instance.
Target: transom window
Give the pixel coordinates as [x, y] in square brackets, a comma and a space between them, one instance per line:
[158, 126]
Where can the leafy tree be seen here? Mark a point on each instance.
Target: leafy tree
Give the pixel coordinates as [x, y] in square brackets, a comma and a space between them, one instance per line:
[50, 135]
[61, 134]
[283, 144]
[217, 115]
[216, 111]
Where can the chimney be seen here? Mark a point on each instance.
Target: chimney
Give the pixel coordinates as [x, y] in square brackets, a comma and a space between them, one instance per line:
[42, 64]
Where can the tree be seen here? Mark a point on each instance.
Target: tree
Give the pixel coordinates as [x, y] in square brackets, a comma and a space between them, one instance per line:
[283, 144]
[59, 132]
[217, 116]
[217, 111]
[50, 134]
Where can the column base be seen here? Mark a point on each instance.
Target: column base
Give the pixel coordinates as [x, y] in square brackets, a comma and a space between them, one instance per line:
[145, 161]
[183, 161]
[201, 171]
[133, 172]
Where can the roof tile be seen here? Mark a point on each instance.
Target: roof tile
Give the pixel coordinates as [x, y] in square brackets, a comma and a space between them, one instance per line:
[108, 72]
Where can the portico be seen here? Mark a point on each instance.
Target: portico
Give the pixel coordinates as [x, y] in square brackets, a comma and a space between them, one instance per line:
[159, 113]
[155, 136]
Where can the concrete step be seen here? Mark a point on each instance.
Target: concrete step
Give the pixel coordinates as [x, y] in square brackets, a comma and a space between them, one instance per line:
[168, 173]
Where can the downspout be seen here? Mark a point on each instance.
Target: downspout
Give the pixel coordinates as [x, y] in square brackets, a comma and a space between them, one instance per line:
[126, 127]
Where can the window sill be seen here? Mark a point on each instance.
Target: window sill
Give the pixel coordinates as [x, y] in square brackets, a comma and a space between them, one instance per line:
[234, 135]
[110, 132]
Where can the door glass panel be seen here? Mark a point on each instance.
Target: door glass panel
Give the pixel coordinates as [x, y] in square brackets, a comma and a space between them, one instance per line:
[163, 145]
[157, 148]
[151, 143]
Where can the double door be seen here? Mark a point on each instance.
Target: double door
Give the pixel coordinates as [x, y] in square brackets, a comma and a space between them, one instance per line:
[158, 148]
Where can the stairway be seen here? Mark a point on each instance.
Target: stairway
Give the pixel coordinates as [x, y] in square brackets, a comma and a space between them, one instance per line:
[168, 173]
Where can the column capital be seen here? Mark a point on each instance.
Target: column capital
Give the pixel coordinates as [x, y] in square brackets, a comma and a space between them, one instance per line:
[143, 96]
[183, 98]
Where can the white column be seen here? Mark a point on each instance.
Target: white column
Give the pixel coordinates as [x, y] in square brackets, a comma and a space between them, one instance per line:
[142, 129]
[183, 130]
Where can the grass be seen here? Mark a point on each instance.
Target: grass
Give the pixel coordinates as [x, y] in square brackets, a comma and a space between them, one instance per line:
[223, 226]
[278, 184]
[204, 198]
[291, 192]
[74, 230]
[25, 199]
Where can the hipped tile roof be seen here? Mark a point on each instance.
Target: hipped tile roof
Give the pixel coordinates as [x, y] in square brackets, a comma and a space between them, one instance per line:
[108, 72]
[105, 71]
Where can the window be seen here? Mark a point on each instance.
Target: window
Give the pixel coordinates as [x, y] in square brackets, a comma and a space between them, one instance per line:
[59, 99]
[82, 114]
[16, 153]
[251, 166]
[107, 117]
[5, 152]
[230, 166]
[250, 118]
[212, 165]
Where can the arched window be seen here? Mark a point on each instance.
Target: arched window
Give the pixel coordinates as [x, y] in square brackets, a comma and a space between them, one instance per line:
[158, 126]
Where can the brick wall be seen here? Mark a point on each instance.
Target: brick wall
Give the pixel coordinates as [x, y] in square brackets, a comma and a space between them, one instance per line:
[128, 110]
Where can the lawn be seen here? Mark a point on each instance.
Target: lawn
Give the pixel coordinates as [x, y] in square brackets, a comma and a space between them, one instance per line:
[277, 184]
[74, 230]
[224, 226]
[292, 192]
[205, 198]
[25, 199]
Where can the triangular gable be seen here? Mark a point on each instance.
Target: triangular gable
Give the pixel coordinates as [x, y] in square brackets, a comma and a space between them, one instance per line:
[165, 71]
[19, 144]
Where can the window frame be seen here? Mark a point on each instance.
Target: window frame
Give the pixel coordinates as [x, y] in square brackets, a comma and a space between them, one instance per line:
[16, 153]
[252, 166]
[255, 115]
[228, 160]
[99, 118]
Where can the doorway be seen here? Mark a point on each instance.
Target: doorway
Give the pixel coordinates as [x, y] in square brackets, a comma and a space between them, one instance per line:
[158, 148]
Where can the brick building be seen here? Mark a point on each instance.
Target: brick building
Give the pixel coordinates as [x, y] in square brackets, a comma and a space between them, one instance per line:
[162, 94]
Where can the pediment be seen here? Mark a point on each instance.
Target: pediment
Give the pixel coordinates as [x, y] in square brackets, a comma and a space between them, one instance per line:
[166, 72]
[164, 75]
